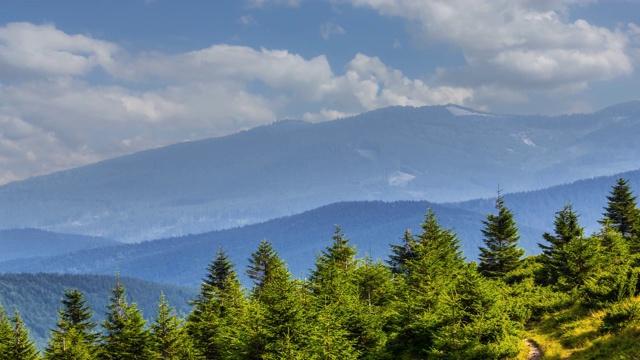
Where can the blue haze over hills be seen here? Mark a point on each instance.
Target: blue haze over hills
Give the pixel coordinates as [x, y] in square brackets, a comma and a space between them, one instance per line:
[438, 153]
[371, 226]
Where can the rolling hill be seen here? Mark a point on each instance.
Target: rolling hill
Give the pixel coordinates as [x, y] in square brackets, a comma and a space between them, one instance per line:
[437, 153]
[371, 226]
[28, 243]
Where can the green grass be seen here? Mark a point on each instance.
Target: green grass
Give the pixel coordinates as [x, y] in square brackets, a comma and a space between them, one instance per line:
[576, 333]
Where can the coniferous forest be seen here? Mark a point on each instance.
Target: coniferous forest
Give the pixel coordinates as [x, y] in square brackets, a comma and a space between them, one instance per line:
[577, 299]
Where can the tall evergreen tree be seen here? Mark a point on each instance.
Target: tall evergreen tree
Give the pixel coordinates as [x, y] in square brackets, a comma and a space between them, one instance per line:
[277, 316]
[621, 211]
[337, 260]
[428, 275]
[6, 334]
[261, 264]
[169, 339]
[218, 312]
[125, 336]
[74, 337]
[21, 346]
[623, 215]
[502, 253]
[554, 256]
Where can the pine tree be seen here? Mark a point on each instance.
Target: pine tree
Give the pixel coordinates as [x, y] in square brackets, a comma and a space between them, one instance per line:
[169, 339]
[335, 263]
[6, 334]
[428, 276]
[437, 246]
[623, 215]
[621, 211]
[74, 337]
[401, 254]
[282, 317]
[125, 336]
[214, 325]
[501, 254]
[21, 347]
[219, 271]
[261, 264]
[554, 255]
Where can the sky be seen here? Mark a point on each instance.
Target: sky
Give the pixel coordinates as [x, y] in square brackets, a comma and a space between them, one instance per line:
[87, 80]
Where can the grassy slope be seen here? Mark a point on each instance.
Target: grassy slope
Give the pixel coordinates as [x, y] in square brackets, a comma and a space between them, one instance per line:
[574, 333]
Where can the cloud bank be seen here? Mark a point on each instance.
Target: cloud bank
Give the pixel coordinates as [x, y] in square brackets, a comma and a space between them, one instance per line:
[68, 99]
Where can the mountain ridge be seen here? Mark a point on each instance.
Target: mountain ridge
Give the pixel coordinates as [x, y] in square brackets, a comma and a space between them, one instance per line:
[396, 153]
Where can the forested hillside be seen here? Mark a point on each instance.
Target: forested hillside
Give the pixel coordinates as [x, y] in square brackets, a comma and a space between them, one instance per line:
[577, 299]
[37, 297]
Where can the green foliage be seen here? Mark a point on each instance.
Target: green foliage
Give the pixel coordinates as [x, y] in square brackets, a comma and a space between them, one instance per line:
[426, 303]
[38, 296]
[125, 335]
[501, 254]
[554, 258]
[20, 346]
[621, 212]
[218, 312]
[74, 337]
[619, 316]
[261, 264]
[169, 338]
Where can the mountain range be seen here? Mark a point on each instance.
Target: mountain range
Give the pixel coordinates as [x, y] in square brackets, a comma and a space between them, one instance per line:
[437, 153]
[370, 225]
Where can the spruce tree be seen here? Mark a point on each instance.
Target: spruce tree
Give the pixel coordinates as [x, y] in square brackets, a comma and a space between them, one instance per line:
[169, 339]
[74, 337]
[621, 211]
[282, 319]
[623, 215]
[335, 263]
[214, 324]
[21, 346]
[501, 254]
[428, 276]
[554, 257]
[6, 334]
[124, 336]
[261, 264]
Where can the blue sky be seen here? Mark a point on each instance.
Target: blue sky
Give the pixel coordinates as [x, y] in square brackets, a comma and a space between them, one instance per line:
[82, 81]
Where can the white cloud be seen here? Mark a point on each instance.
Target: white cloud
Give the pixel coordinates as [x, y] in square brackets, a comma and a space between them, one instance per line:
[42, 49]
[516, 44]
[55, 118]
[329, 29]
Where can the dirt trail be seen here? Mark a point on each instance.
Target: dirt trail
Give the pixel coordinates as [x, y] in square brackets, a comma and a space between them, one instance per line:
[534, 350]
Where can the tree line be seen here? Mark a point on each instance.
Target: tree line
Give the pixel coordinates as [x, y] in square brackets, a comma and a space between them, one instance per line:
[424, 301]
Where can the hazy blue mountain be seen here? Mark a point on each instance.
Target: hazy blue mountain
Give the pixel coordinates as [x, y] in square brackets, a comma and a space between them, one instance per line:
[437, 153]
[371, 225]
[27, 243]
[37, 297]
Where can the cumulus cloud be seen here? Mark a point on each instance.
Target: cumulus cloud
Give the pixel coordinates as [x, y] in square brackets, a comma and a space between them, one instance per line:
[42, 49]
[516, 44]
[54, 116]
